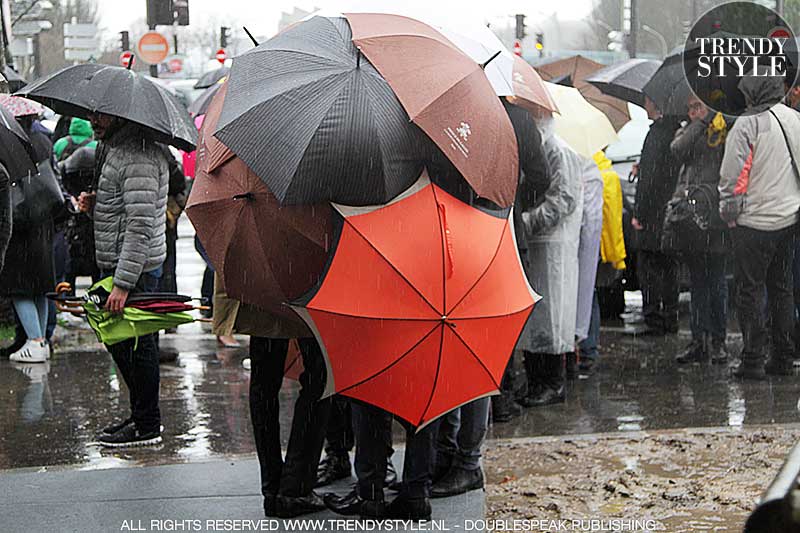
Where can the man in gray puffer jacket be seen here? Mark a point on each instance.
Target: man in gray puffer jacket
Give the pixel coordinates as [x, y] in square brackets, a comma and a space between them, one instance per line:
[129, 220]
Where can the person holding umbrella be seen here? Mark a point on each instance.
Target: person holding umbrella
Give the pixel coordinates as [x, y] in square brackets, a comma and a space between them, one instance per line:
[5, 212]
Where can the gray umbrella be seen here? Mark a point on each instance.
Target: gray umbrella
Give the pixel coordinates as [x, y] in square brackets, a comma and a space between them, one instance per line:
[16, 152]
[625, 79]
[15, 81]
[316, 122]
[668, 88]
[81, 90]
[211, 78]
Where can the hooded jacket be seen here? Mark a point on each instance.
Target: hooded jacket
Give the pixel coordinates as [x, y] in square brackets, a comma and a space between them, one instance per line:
[759, 188]
[612, 239]
[80, 131]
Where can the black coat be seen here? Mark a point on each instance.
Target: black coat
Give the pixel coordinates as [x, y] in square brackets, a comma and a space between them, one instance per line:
[658, 176]
[5, 213]
[29, 269]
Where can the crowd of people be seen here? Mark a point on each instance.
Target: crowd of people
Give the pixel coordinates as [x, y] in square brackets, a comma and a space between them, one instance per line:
[124, 192]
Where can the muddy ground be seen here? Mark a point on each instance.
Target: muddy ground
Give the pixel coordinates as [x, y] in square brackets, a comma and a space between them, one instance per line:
[701, 480]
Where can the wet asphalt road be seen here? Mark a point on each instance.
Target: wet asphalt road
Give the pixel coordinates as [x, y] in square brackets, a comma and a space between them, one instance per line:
[49, 414]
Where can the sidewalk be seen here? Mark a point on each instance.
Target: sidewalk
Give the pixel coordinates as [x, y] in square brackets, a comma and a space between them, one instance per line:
[181, 497]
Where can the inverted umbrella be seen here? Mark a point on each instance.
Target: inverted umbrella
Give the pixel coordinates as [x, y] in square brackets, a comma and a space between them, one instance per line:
[19, 106]
[421, 305]
[81, 90]
[576, 69]
[447, 94]
[211, 78]
[581, 125]
[314, 119]
[16, 151]
[266, 254]
[625, 79]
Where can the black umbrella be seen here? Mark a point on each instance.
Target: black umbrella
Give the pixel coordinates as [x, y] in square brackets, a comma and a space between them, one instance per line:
[201, 103]
[668, 88]
[81, 90]
[16, 151]
[15, 81]
[625, 79]
[314, 119]
[211, 78]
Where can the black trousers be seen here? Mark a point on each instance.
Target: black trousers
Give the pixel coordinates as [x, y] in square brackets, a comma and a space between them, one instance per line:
[137, 361]
[339, 439]
[373, 428]
[297, 474]
[169, 282]
[658, 277]
[764, 261]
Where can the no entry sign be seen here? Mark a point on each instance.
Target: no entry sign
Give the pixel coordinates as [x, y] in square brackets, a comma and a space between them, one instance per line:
[153, 48]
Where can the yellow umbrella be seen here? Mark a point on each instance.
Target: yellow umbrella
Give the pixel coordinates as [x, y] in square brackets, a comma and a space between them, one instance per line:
[582, 126]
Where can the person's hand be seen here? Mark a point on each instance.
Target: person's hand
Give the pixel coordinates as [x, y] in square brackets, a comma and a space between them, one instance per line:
[636, 224]
[116, 300]
[697, 111]
[732, 224]
[86, 201]
[635, 170]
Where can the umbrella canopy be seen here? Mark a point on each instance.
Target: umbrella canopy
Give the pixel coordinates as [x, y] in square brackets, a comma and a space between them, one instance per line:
[626, 79]
[314, 119]
[576, 69]
[266, 254]
[19, 106]
[581, 125]
[81, 90]
[668, 88]
[15, 81]
[201, 103]
[212, 77]
[448, 95]
[422, 304]
[16, 151]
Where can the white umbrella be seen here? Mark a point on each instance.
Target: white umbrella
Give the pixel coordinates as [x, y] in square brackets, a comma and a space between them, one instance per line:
[581, 125]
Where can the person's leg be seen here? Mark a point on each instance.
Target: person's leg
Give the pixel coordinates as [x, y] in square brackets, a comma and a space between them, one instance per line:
[588, 347]
[504, 408]
[28, 314]
[446, 443]
[308, 425]
[753, 252]
[669, 291]
[698, 309]
[267, 357]
[168, 281]
[413, 502]
[43, 310]
[717, 299]
[122, 354]
[338, 443]
[781, 298]
[373, 430]
[146, 382]
[650, 284]
[474, 423]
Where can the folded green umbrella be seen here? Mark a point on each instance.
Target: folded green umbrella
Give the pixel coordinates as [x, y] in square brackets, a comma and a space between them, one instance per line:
[132, 323]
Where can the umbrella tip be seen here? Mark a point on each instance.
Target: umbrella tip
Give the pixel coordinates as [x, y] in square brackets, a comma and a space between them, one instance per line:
[130, 62]
[483, 66]
[255, 43]
[358, 58]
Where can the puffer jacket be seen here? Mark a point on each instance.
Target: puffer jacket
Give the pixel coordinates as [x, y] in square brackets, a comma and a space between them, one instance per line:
[130, 210]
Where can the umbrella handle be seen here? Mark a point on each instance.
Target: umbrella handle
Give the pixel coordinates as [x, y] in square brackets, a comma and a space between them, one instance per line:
[448, 241]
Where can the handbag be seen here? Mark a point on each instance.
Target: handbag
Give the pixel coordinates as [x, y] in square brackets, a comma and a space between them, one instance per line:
[36, 197]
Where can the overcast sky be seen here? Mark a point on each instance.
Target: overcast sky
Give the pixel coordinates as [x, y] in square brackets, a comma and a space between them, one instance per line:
[261, 16]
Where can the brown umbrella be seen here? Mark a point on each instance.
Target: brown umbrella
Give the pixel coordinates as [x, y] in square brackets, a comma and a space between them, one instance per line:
[447, 94]
[577, 68]
[529, 89]
[266, 254]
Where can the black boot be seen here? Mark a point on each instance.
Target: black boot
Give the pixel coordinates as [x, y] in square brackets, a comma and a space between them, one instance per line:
[718, 352]
[572, 365]
[551, 380]
[291, 506]
[333, 468]
[457, 481]
[532, 364]
[504, 408]
[779, 367]
[352, 504]
[694, 353]
[405, 508]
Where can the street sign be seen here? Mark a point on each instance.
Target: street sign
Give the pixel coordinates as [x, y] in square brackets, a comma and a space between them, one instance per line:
[80, 30]
[153, 48]
[518, 48]
[175, 65]
[221, 55]
[125, 58]
[78, 55]
[81, 43]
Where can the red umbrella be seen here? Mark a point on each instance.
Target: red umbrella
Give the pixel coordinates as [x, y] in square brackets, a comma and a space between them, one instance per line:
[19, 106]
[422, 304]
[448, 95]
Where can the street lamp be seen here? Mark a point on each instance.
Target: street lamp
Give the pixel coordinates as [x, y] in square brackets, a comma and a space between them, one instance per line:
[660, 37]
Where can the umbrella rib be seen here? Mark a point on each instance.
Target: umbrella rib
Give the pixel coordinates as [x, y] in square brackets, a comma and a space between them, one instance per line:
[493, 316]
[395, 362]
[388, 262]
[478, 359]
[362, 317]
[488, 266]
[435, 378]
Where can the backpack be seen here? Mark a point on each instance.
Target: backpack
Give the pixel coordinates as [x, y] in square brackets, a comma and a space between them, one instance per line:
[72, 146]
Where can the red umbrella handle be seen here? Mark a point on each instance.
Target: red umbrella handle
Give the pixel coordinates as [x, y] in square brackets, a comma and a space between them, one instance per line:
[448, 239]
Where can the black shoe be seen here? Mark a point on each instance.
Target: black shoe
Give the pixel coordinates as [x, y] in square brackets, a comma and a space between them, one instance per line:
[545, 395]
[113, 428]
[130, 436]
[167, 355]
[718, 353]
[504, 409]
[587, 366]
[694, 353]
[291, 506]
[352, 504]
[390, 481]
[776, 367]
[458, 481]
[572, 366]
[751, 371]
[441, 467]
[270, 505]
[404, 508]
[333, 468]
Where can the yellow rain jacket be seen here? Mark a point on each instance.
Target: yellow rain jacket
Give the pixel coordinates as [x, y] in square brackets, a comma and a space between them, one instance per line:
[612, 241]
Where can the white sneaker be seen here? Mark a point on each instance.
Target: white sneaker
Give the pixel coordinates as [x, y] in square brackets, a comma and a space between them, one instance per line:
[246, 363]
[31, 352]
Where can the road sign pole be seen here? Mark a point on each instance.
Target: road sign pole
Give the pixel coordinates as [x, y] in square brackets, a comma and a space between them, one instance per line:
[153, 68]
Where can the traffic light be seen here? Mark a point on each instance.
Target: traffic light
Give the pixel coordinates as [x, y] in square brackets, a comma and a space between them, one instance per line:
[180, 10]
[124, 41]
[540, 43]
[224, 36]
[159, 12]
[520, 29]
